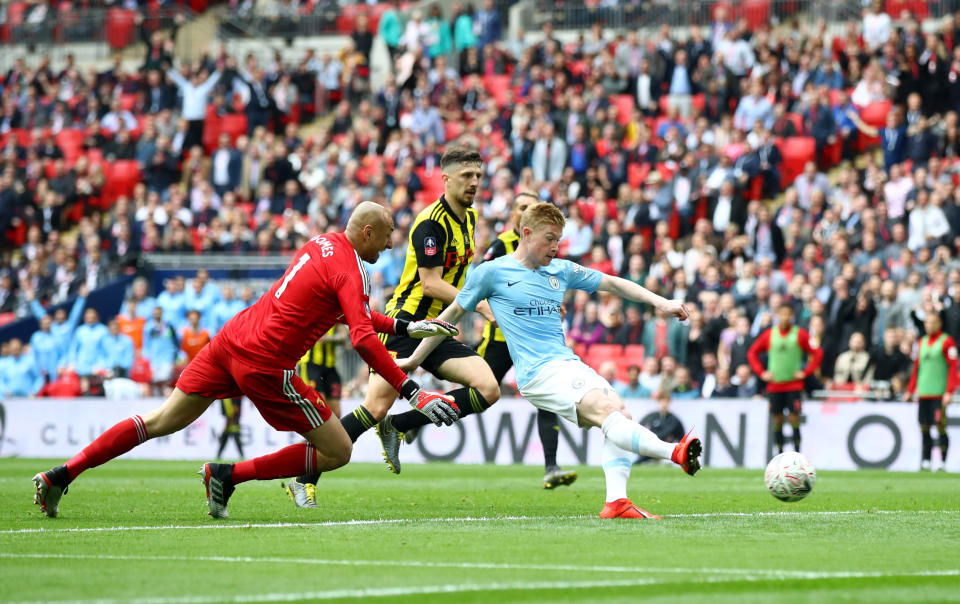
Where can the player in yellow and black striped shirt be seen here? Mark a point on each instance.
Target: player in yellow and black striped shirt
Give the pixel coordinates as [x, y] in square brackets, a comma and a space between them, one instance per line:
[440, 239]
[440, 251]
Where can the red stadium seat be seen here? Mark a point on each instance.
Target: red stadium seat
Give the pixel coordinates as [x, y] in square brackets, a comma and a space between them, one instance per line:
[796, 151]
[346, 24]
[598, 354]
[497, 86]
[140, 372]
[664, 104]
[756, 12]
[7, 317]
[624, 104]
[23, 136]
[874, 114]
[432, 185]
[674, 222]
[637, 173]
[577, 67]
[121, 178]
[715, 8]
[120, 28]
[453, 130]
[234, 124]
[15, 11]
[666, 172]
[699, 101]
[376, 12]
[834, 95]
[94, 156]
[127, 101]
[755, 190]
[70, 142]
[797, 120]
[212, 124]
[17, 236]
[634, 353]
[833, 154]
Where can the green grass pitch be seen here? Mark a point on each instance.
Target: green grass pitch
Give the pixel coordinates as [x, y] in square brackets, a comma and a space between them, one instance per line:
[135, 531]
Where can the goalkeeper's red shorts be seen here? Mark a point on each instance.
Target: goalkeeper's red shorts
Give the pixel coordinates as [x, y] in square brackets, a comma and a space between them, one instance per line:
[281, 397]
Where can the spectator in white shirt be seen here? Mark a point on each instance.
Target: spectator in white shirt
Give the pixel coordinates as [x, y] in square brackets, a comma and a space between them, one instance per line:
[737, 54]
[896, 191]
[578, 233]
[810, 181]
[193, 108]
[426, 122]
[877, 27]
[753, 108]
[927, 222]
[417, 33]
[118, 118]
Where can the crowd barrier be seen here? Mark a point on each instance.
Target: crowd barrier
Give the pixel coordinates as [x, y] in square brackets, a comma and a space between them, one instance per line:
[735, 433]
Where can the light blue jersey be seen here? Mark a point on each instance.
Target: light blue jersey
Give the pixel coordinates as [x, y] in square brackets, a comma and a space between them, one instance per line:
[527, 305]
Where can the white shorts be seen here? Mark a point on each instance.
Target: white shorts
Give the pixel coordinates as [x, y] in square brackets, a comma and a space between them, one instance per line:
[560, 385]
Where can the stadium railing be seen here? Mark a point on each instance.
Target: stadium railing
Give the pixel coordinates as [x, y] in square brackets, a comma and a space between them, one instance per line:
[685, 13]
[115, 27]
[326, 19]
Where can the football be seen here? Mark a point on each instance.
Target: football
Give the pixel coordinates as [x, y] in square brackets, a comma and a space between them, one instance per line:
[790, 476]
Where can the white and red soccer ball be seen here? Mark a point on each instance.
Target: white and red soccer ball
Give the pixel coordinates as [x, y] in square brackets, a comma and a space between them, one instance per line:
[790, 476]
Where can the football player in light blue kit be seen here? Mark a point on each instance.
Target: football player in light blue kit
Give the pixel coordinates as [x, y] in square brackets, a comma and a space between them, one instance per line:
[525, 291]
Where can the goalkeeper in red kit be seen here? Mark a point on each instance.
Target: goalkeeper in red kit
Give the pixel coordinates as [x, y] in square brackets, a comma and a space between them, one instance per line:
[256, 354]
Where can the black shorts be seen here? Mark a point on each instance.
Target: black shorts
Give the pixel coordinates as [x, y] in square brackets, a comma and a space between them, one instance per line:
[325, 380]
[497, 355]
[929, 411]
[402, 347]
[785, 402]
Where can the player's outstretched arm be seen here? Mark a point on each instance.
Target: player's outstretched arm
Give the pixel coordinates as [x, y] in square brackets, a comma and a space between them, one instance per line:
[449, 316]
[414, 329]
[638, 293]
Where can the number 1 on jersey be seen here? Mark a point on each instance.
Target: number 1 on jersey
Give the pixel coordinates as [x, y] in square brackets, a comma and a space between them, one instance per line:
[296, 267]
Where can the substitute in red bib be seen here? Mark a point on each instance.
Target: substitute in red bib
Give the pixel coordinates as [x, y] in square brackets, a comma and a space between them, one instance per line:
[785, 345]
[932, 384]
[255, 355]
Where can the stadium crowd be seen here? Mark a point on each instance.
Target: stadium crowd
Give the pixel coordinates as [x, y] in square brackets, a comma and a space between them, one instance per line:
[735, 167]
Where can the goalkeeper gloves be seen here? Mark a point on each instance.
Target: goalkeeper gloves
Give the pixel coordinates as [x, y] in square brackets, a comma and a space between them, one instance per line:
[438, 407]
[426, 328]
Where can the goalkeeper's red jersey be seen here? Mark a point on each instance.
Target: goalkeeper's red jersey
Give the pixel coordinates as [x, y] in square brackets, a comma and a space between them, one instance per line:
[325, 284]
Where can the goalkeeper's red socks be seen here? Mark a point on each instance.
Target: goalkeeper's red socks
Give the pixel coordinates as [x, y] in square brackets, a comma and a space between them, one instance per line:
[289, 461]
[116, 441]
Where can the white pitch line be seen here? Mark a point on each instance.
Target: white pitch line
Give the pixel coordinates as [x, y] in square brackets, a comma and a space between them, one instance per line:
[806, 513]
[483, 587]
[465, 519]
[408, 563]
[327, 523]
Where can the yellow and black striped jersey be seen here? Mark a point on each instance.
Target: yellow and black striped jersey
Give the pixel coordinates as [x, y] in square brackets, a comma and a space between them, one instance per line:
[505, 243]
[437, 238]
[324, 352]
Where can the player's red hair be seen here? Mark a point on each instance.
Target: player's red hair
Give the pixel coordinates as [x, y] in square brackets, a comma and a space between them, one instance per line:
[541, 214]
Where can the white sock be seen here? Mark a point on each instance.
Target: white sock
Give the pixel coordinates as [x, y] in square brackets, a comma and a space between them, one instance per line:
[616, 469]
[634, 437]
